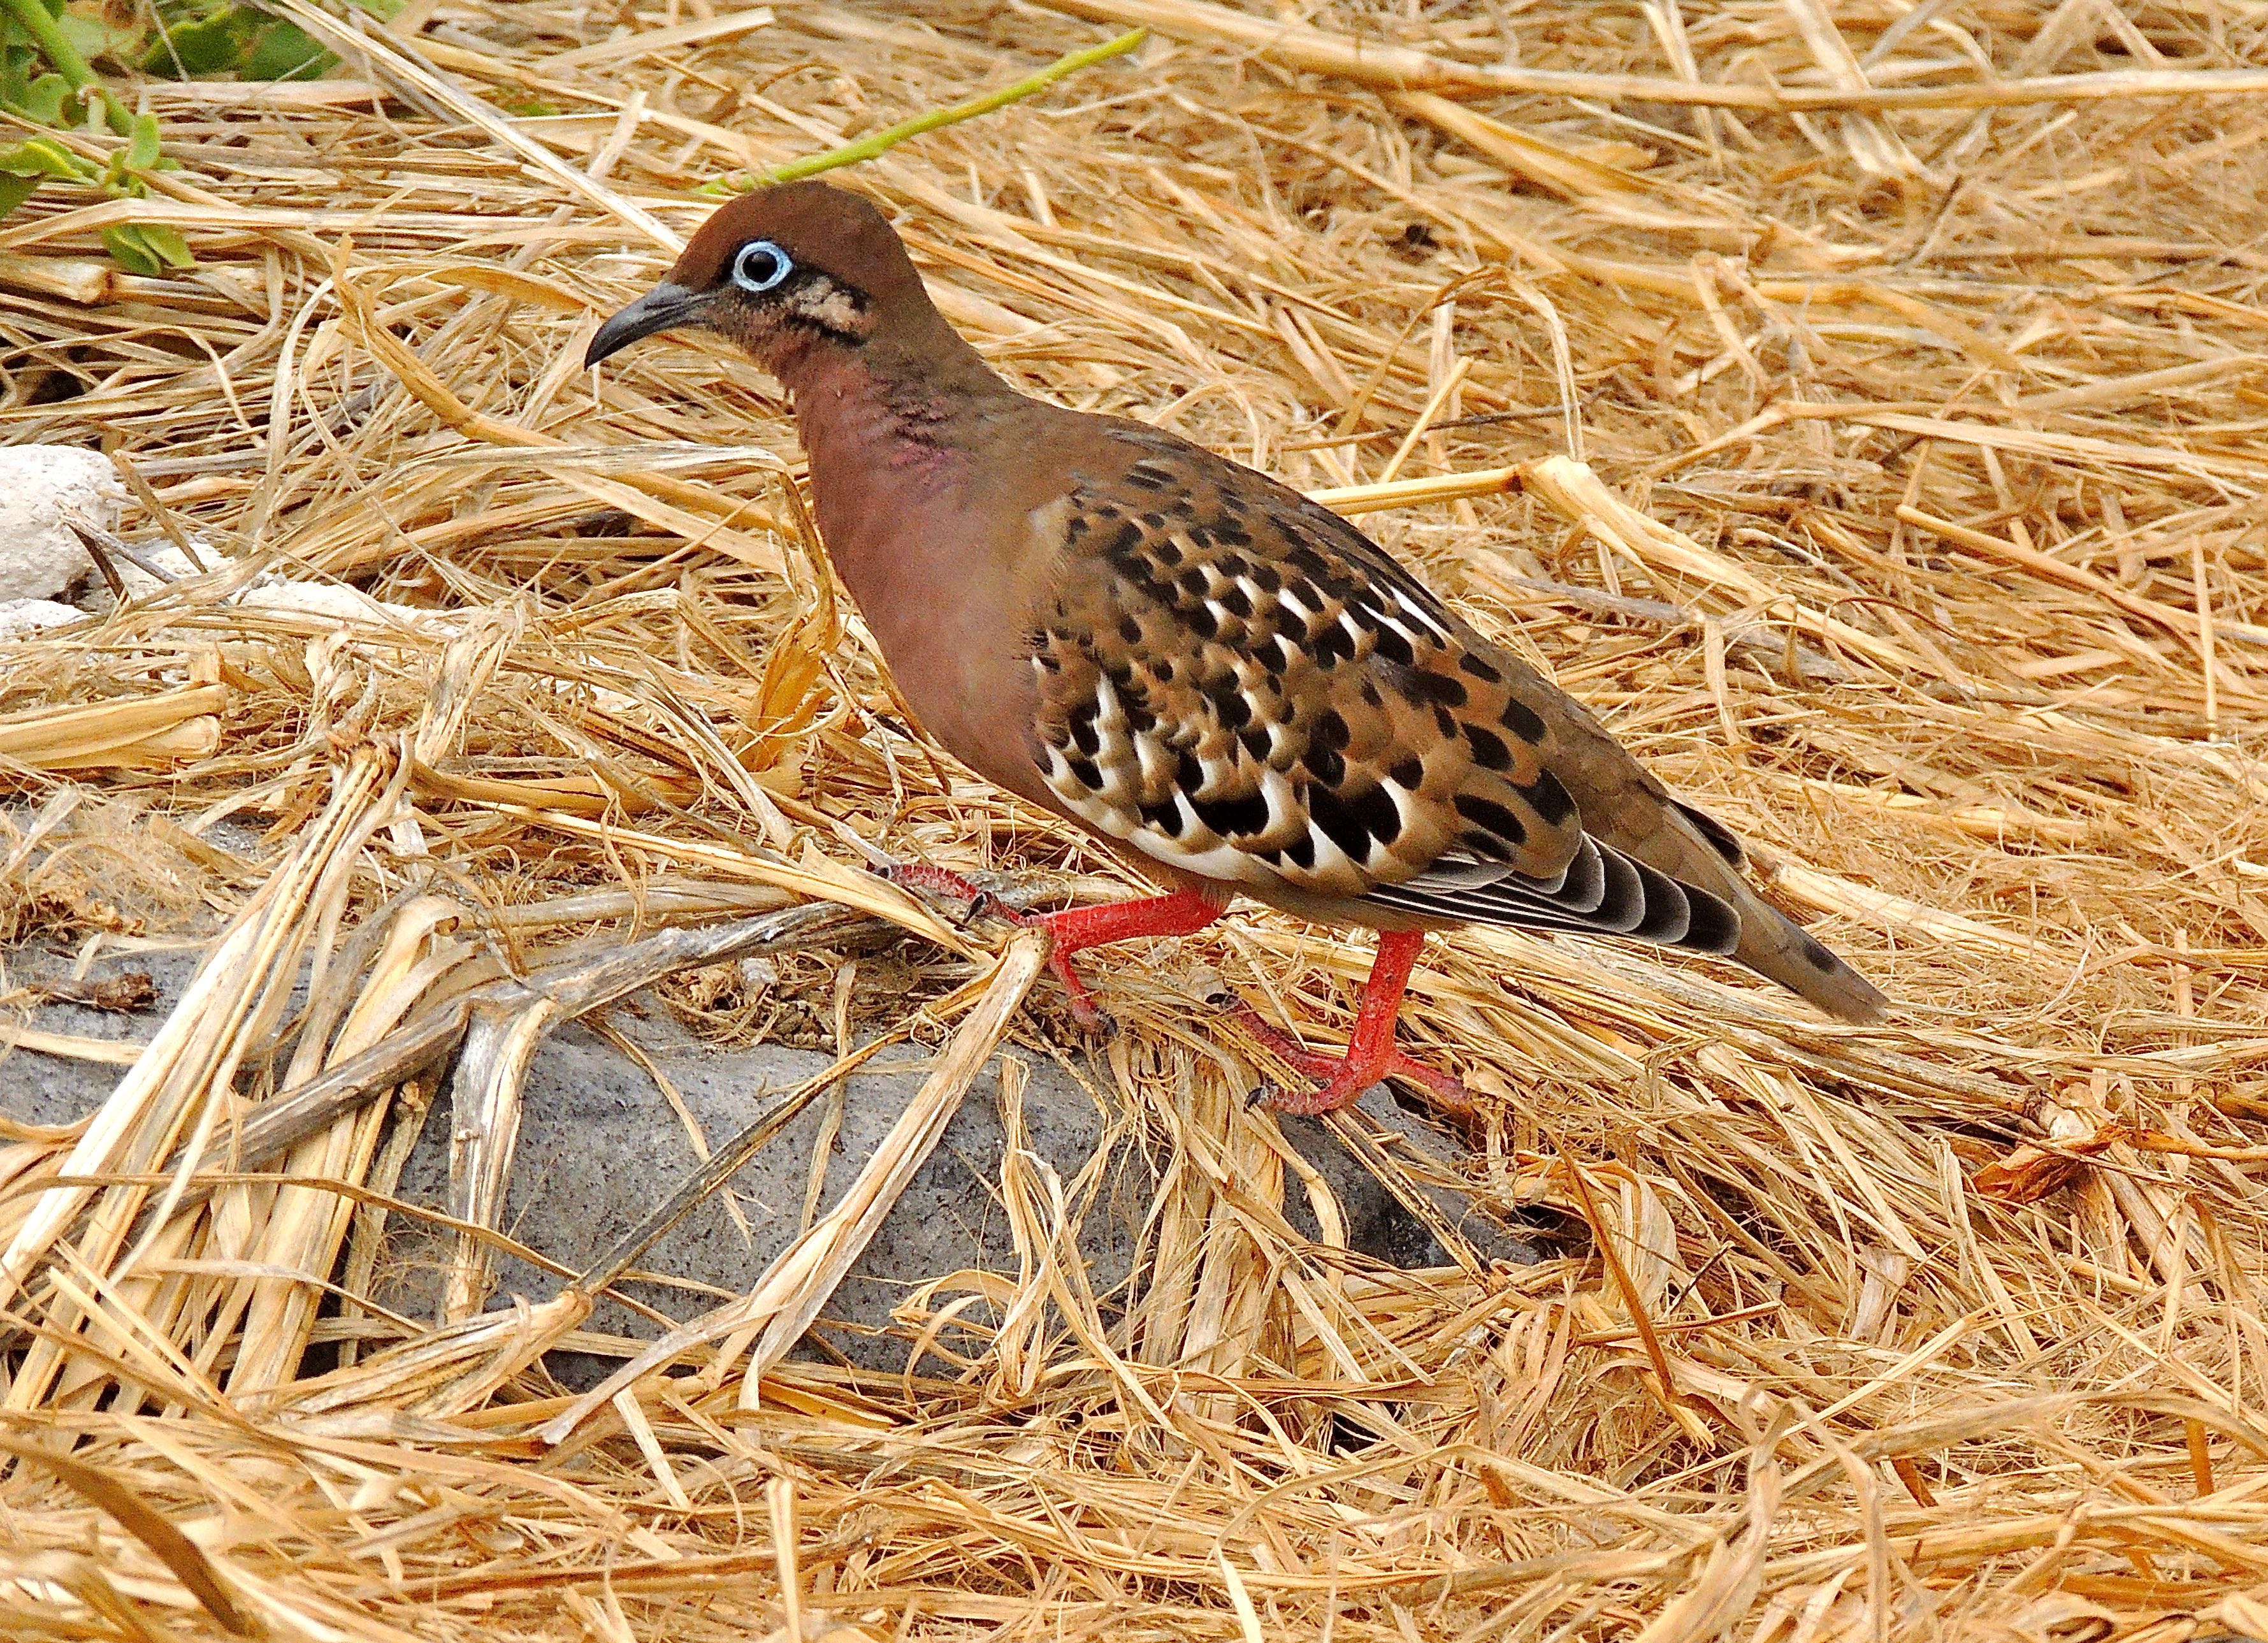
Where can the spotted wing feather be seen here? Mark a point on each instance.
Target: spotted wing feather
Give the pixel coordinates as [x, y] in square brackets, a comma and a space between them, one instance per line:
[1236, 682]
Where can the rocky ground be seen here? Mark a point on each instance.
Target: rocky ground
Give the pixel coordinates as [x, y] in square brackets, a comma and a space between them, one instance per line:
[601, 1148]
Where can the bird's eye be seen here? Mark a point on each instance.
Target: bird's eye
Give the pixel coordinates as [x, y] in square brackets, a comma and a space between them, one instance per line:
[760, 266]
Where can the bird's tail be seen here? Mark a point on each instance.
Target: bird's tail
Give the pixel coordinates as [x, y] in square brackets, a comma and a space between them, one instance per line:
[1694, 845]
[1774, 944]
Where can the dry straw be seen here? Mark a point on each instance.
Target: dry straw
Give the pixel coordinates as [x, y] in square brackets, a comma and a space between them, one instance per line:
[1862, 405]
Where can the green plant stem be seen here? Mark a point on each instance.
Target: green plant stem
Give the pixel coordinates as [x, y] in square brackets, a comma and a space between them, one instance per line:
[876, 143]
[64, 58]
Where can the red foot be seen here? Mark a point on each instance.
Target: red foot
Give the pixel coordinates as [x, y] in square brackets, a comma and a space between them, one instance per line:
[1371, 1054]
[1075, 929]
[940, 882]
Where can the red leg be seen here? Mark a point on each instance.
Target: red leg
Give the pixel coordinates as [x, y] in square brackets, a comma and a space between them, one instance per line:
[1371, 1055]
[1078, 928]
[1446, 1089]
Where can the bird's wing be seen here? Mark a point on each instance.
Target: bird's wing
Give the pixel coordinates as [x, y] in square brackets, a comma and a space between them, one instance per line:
[1239, 683]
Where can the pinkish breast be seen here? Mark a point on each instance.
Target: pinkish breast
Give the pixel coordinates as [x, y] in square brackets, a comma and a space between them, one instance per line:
[929, 552]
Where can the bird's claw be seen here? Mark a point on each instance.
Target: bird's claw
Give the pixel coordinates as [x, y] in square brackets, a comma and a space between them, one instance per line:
[942, 884]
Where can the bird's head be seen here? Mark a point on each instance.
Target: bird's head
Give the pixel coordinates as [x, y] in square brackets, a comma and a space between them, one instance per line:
[777, 270]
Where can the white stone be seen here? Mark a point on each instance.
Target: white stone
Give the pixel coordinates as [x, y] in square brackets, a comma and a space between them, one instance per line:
[168, 559]
[331, 601]
[39, 557]
[21, 618]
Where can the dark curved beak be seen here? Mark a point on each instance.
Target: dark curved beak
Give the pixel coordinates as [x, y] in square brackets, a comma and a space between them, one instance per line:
[665, 305]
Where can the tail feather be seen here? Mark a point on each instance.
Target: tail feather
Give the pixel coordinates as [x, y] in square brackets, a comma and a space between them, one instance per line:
[1774, 944]
[1695, 847]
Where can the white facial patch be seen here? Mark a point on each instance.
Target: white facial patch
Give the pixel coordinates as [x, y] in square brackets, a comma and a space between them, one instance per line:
[824, 303]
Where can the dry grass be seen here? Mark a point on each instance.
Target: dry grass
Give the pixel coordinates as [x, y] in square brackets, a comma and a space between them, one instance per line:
[1917, 531]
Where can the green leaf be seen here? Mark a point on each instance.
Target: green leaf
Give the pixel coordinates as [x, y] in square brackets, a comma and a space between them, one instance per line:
[14, 191]
[197, 40]
[16, 67]
[149, 249]
[95, 38]
[125, 243]
[282, 51]
[43, 156]
[44, 98]
[165, 242]
[142, 146]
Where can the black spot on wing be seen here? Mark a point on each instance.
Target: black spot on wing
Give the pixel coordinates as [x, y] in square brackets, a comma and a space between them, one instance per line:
[1549, 798]
[1487, 846]
[1083, 732]
[1380, 816]
[1234, 818]
[1338, 822]
[1491, 818]
[1333, 646]
[1386, 643]
[1437, 688]
[1489, 751]
[1165, 817]
[1228, 704]
[1525, 723]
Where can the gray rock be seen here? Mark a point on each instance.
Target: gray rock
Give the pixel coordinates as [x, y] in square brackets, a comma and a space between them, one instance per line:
[56, 1090]
[599, 1149]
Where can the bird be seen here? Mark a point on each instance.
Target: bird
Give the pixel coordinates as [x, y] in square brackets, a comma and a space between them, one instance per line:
[1225, 683]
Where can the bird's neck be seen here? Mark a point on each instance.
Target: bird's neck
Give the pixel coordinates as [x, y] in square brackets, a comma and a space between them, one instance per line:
[892, 434]
[917, 482]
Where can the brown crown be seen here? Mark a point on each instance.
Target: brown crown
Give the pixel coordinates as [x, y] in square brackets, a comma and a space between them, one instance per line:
[839, 234]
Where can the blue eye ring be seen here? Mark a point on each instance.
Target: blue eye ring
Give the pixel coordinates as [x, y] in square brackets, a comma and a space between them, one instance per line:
[760, 266]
